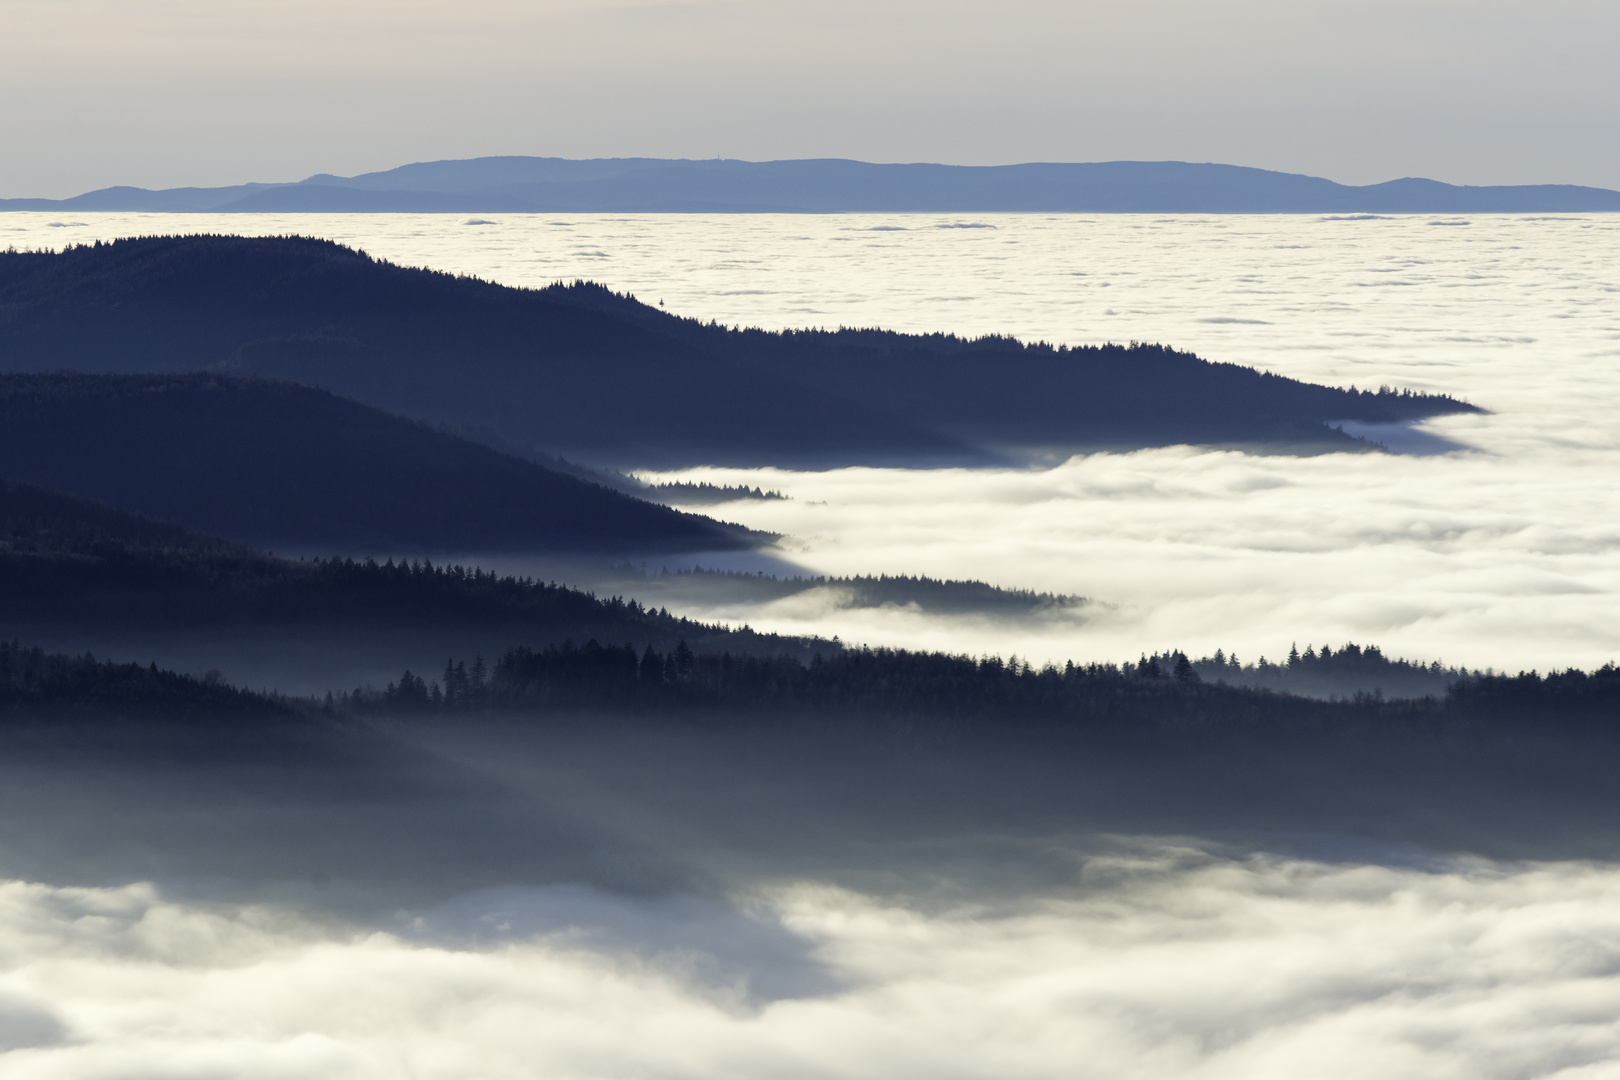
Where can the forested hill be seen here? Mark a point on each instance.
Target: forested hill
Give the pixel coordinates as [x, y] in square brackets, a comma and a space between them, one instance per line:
[282, 465]
[1005, 395]
[581, 372]
[939, 689]
[86, 577]
[34, 684]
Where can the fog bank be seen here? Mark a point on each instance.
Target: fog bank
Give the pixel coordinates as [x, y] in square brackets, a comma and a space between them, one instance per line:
[1162, 960]
[1476, 558]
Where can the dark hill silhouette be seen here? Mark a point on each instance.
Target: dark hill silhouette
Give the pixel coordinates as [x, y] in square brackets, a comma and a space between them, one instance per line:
[65, 559]
[532, 368]
[36, 684]
[289, 466]
[580, 371]
[78, 575]
[651, 185]
[696, 586]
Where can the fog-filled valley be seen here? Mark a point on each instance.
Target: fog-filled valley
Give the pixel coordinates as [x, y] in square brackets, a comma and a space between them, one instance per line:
[739, 892]
[581, 371]
[1481, 543]
[452, 672]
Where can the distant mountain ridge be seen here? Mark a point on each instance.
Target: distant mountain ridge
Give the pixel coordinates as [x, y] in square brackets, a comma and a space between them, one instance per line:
[830, 185]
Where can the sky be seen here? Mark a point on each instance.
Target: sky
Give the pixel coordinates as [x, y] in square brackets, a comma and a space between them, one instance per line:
[161, 93]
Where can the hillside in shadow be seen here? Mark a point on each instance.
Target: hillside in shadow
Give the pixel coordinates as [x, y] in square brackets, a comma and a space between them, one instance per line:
[79, 576]
[601, 378]
[881, 770]
[287, 466]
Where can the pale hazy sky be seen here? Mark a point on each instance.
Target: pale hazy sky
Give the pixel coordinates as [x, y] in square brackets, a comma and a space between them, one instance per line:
[170, 92]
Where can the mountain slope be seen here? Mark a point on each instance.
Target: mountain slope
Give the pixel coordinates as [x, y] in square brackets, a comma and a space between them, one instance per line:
[581, 372]
[80, 576]
[285, 465]
[533, 368]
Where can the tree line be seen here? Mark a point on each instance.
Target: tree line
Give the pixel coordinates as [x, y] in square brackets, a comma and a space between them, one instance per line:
[1327, 673]
[35, 682]
[943, 687]
[927, 688]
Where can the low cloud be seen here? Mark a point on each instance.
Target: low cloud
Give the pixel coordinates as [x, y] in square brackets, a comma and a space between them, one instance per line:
[1473, 558]
[1160, 961]
[1506, 554]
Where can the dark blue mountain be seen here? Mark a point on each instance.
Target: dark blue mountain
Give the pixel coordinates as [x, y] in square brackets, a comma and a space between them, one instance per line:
[296, 468]
[651, 185]
[581, 372]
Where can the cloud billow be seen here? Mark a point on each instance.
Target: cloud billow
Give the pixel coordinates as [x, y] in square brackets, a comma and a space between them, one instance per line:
[1159, 961]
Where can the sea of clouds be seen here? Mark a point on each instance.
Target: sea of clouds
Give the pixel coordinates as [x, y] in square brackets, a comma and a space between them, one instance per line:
[1163, 960]
[1475, 558]
[1493, 540]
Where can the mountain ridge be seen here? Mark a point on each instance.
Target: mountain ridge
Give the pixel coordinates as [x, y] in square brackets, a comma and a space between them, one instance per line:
[514, 184]
[288, 466]
[579, 372]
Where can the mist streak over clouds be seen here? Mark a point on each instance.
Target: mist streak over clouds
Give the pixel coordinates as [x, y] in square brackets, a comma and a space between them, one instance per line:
[1160, 962]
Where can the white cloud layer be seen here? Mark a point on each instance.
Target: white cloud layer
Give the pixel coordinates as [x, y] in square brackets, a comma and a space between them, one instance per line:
[1470, 558]
[1161, 962]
